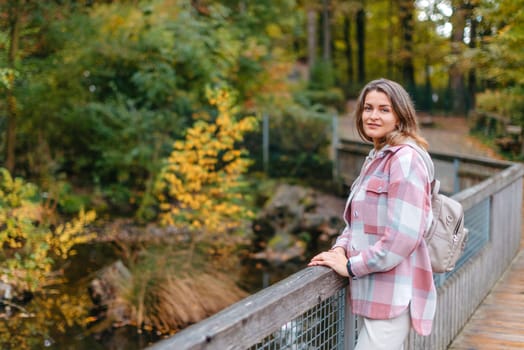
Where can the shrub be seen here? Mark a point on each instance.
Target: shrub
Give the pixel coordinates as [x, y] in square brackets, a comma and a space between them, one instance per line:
[31, 236]
[333, 97]
[299, 141]
[200, 184]
[507, 103]
[322, 75]
[497, 111]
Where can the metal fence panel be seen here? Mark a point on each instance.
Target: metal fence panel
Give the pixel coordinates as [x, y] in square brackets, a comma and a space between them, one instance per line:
[319, 328]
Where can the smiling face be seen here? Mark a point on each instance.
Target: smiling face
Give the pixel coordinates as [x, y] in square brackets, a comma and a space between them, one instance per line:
[378, 116]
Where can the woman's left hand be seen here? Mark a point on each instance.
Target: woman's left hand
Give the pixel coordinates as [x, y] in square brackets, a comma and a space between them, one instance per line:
[333, 260]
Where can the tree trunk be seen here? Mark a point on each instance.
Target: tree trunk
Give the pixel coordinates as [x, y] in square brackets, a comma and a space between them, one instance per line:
[326, 31]
[389, 53]
[361, 43]
[311, 37]
[14, 36]
[349, 49]
[428, 90]
[406, 11]
[456, 75]
[472, 75]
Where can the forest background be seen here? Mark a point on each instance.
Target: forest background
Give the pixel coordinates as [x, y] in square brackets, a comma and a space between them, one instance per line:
[148, 114]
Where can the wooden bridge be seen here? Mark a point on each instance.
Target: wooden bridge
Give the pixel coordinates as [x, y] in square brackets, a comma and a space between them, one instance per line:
[498, 323]
[308, 310]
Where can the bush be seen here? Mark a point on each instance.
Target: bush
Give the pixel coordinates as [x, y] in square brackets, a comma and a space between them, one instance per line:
[497, 110]
[299, 142]
[322, 76]
[32, 236]
[507, 103]
[333, 97]
[200, 185]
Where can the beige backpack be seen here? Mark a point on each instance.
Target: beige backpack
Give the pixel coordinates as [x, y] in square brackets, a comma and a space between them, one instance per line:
[446, 237]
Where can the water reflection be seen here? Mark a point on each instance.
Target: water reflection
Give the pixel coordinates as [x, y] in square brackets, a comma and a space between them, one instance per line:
[60, 317]
[42, 321]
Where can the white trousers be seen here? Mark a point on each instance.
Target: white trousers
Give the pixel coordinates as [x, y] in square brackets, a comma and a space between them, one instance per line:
[384, 334]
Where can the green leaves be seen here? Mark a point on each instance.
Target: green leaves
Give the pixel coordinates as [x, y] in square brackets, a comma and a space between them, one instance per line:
[502, 54]
[7, 78]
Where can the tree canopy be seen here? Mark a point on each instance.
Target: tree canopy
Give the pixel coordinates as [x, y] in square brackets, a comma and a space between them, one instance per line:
[101, 89]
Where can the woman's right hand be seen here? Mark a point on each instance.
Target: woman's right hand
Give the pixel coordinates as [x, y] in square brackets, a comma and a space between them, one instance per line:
[333, 258]
[339, 250]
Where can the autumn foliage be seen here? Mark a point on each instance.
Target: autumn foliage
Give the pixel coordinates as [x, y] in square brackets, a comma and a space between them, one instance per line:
[31, 238]
[199, 192]
[199, 186]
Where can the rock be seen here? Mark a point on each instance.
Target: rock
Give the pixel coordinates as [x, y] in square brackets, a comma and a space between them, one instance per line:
[296, 219]
[104, 291]
[6, 291]
[280, 256]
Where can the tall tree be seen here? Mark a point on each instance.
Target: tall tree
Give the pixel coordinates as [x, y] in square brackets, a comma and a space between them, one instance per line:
[14, 17]
[25, 24]
[406, 14]
[456, 72]
[361, 42]
[348, 49]
[389, 53]
[472, 74]
[346, 19]
[326, 31]
[311, 35]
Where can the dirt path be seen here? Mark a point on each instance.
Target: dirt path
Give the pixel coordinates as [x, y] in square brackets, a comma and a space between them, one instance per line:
[446, 135]
[451, 135]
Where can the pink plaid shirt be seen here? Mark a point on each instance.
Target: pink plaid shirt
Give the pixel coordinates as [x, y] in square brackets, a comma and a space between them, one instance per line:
[386, 215]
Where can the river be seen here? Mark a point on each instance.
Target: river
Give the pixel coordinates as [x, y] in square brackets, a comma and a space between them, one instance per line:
[54, 320]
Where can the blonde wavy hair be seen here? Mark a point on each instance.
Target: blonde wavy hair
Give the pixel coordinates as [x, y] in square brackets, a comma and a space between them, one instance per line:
[404, 109]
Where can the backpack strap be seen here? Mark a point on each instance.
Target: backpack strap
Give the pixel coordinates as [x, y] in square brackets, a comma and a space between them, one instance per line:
[435, 184]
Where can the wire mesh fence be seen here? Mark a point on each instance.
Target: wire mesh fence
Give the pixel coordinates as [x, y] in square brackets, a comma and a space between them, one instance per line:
[319, 328]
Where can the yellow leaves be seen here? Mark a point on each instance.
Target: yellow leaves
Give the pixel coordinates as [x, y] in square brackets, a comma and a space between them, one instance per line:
[71, 233]
[247, 124]
[118, 21]
[46, 309]
[27, 237]
[273, 31]
[198, 185]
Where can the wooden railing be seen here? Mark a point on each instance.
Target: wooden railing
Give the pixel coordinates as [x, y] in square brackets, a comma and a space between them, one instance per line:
[243, 324]
[307, 310]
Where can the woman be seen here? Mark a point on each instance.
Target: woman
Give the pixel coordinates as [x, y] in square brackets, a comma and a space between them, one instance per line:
[387, 212]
